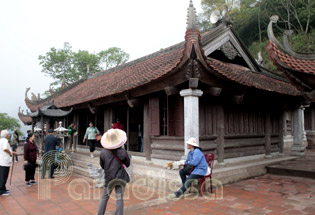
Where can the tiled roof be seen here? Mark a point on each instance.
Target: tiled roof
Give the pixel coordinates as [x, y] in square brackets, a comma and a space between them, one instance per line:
[248, 78]
[288, 61]
[152, 67]
[138, 73]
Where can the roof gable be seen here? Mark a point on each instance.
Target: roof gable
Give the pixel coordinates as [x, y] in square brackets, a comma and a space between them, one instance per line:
[225, 39]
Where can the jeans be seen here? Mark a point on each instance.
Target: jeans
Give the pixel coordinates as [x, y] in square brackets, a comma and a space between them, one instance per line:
[119, 189]
[4, 173]
[186, 181]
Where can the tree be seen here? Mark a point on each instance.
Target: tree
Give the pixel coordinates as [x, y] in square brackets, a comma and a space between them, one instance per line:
[58, 63]
[7, 122]
[67, 66]
[251, 18]
[113, 57]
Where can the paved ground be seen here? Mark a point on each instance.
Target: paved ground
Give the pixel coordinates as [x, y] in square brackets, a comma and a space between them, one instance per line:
[267, 194]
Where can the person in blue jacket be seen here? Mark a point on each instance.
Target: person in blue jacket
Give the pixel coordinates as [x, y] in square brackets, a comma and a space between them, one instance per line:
[196, 159]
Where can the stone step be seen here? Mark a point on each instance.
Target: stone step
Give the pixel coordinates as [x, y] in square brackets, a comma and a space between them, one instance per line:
[299, 168]
[155, 175]
[81, 171]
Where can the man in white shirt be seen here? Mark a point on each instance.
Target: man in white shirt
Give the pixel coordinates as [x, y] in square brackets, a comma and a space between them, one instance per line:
[5, 161]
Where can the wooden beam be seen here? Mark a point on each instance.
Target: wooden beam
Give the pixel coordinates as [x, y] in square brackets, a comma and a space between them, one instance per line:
[238, 99]
[281, 130]
[214, 91]
[134, 102]
[220, 132]
[171, 91]
[193, 83]
[312, 118]
[267, 134]
[146, 132]
[91, 108]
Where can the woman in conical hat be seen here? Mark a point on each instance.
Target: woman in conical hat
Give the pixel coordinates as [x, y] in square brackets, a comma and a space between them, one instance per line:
[112, 159]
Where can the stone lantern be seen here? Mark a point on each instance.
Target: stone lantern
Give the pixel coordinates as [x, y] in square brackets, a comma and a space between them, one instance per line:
[61, 133]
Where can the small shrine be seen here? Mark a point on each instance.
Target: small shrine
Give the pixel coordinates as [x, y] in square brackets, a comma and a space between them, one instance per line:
[45, 117]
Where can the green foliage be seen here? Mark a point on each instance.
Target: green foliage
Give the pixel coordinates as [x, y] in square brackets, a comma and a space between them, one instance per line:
[251, 18]
[303, 42]
[113, 57]
[256, 47]
[58, 63]
[7, 122]
[250, 15]
[67, 66]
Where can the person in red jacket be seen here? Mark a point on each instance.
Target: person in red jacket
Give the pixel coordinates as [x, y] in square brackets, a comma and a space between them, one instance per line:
[30, 155]
[118, 125]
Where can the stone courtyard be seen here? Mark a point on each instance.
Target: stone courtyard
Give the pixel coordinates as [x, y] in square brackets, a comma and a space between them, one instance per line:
[268, 194]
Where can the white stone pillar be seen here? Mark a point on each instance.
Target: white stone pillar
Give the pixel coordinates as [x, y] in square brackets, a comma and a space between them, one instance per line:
[298, 147]
[191, 114]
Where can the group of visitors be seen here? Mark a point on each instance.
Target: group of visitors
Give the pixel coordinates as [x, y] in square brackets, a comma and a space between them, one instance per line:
[113, 159]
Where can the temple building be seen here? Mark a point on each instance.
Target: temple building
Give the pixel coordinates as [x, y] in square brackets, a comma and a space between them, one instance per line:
[299, 69]
[208, 86]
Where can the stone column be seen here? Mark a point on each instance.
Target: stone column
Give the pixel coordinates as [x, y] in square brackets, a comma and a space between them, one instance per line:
[298, 147]
[191, 114]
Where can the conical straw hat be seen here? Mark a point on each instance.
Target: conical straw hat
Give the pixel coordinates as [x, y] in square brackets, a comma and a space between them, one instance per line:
[113, 139]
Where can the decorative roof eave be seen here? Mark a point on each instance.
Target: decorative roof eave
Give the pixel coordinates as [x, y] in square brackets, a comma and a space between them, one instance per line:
[290, 51]
[193, 51]
[32, 105]
[27, 120]
[50, 113]
[244, 76]
[287, 48]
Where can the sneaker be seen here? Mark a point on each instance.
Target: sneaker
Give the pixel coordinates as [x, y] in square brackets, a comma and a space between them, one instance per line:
[33, 182]
[28, 184]
[175, 195]
[6, 193]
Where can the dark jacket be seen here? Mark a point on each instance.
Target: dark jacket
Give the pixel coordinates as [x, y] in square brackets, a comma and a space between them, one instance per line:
[30, 152]
[50, 143]
[112, 167]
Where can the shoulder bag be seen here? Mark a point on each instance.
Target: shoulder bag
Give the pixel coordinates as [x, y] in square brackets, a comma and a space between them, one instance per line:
[127, 169]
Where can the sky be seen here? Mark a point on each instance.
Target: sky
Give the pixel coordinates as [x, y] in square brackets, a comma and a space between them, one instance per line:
[29, 28]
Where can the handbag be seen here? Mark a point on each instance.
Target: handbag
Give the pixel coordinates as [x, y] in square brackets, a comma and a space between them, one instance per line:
[127, 169]
[188, 169]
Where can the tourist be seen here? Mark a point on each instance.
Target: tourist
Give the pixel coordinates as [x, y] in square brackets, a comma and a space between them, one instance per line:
[195, 167]
[71, 131]
[25, 138]
[112, 159]
[5, 161]
[51, 144]
[90, 135]
[15, 143]
[30, 155]
[118, 125]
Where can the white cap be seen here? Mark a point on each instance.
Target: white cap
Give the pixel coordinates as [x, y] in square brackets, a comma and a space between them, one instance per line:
[192, 141]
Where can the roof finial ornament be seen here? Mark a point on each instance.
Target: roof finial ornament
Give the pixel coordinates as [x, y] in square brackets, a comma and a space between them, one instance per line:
[191, 16]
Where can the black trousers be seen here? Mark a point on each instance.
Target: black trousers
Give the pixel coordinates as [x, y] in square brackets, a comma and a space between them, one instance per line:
[4, 173]
[30, 172]
[92, 145]
[51, 165]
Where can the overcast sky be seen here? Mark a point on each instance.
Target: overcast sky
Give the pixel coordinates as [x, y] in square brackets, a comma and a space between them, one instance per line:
[29, 28]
